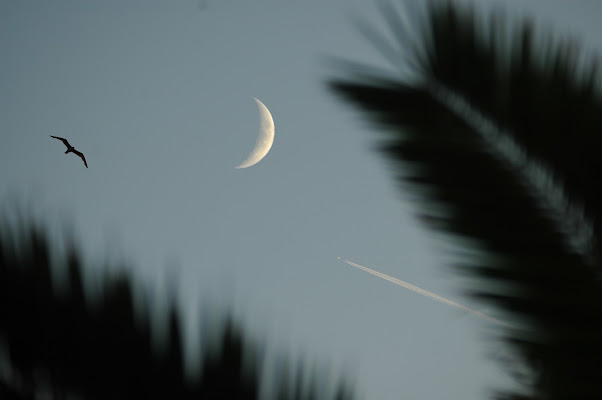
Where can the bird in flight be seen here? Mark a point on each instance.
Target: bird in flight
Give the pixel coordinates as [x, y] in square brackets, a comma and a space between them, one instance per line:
[71, 149]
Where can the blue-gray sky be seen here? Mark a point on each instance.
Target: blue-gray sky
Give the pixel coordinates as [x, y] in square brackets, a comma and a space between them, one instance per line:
[158, 95]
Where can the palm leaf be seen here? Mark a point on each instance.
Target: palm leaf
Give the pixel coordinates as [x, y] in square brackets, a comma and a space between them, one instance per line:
[499, 137]
[58, 344]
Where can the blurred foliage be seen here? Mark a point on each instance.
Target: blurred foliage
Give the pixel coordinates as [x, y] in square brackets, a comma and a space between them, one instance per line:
[495, 125]
[59, 343]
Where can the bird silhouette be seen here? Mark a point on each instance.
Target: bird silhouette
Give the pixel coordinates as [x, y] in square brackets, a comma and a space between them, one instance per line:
[71, 149]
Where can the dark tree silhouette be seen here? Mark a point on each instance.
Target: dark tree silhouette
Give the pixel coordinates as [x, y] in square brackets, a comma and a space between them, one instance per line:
[62, 343]
[496, 128]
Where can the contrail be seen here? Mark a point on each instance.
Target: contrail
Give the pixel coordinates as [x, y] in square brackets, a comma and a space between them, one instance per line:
[424, 292]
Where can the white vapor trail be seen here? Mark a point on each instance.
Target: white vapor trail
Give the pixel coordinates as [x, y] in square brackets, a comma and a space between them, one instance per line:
[424, 292]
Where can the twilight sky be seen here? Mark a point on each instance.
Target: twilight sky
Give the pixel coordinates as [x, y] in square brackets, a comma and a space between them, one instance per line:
[158, 96]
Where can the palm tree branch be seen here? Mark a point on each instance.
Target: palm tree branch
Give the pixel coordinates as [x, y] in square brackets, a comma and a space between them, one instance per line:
[64, 343]
[544, 93]
[441, 144]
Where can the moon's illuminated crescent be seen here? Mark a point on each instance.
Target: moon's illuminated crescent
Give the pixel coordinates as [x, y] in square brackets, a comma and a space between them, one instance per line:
[264, 139]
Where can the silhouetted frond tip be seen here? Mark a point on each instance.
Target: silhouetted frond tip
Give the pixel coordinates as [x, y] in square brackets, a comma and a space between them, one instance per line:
[59, 345]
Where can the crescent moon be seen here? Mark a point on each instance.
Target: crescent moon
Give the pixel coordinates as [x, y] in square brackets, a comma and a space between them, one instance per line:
[264, 139]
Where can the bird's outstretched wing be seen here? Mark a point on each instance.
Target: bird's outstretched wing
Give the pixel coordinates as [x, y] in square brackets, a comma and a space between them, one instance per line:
[65, 142]
[81, 155]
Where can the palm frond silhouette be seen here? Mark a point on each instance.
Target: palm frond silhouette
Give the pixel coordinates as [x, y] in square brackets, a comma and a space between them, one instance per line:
[497, 130]
[59, 343]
